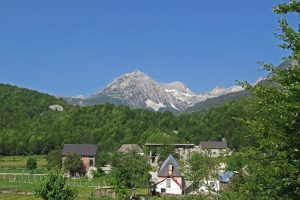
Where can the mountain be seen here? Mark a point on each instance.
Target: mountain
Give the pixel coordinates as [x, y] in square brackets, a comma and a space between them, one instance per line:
[138, 90]
[288, 63]
[217, 101]
[234, 95]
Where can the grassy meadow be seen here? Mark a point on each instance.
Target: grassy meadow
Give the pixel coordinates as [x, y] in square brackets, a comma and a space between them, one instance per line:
[17, 197]
[17, 164]
[20, 182]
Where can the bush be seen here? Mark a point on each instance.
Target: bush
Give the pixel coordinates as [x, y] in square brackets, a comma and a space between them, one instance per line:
[54, 159]
[54, 187]
[73, 164]
[31, 163]
[98, 173]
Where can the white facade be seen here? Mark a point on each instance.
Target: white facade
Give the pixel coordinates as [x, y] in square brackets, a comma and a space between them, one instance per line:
[168, 186]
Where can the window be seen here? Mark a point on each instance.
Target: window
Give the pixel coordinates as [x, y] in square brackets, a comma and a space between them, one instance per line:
[212, 184]
[163, 190]
[168, 183]
[91, 162]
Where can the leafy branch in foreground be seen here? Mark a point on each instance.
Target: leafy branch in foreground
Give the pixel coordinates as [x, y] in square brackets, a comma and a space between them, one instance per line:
[53, 187]
[274, 170]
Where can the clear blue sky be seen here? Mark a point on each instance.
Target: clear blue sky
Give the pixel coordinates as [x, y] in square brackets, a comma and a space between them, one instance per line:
[78, 47]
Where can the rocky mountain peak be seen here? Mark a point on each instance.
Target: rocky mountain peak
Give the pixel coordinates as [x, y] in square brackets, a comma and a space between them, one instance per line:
[177, 86]
[138, 90]
[136, 74]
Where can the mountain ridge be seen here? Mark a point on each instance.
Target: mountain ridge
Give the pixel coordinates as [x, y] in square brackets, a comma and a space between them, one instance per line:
[138, 90]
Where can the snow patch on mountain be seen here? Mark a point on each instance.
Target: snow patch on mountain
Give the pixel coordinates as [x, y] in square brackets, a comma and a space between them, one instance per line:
[173, 106]
[153, 105]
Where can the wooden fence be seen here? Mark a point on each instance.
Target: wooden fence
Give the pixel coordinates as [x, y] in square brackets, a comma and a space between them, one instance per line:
[36, 178]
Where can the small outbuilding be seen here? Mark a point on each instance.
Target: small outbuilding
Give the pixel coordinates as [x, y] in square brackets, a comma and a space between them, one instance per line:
[216, 148]
[127, 148]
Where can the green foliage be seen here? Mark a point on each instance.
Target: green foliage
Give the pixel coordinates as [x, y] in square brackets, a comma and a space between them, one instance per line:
[98, 173]
[73, 163]
[130, 171]
[54, 159]
[274, 170]
[236, 161]
[31, 163]
[236, 188]
[164, 152]
[107, 125]
[199, 169]
[54, 187]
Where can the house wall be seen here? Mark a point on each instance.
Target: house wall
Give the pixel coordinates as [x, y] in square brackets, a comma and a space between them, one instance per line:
[184, 153]
[174, 189]
[85, 162]
[178, 179]
[215, 152]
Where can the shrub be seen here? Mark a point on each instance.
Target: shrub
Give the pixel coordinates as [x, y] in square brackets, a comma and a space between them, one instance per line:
[31, 163]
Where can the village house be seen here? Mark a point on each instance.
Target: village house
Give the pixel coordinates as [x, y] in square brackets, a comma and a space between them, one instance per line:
[169, 180]
[184, 151]
[214, 148]
[87, 152]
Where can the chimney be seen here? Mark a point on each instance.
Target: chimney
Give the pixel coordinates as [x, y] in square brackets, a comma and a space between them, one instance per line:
[170, 169]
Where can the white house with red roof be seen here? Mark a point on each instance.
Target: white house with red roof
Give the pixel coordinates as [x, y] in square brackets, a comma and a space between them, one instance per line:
[170, 180]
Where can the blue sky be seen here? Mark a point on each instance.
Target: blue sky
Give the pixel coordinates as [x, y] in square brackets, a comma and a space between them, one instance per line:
[78, 47]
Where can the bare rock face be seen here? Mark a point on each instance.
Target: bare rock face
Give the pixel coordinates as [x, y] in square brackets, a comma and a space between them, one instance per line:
[138, 90]
[57, 108]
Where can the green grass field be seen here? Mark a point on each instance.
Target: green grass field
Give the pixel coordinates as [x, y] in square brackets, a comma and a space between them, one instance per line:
[17, 197]
[20, 161]
[25, 183]
[17, 164]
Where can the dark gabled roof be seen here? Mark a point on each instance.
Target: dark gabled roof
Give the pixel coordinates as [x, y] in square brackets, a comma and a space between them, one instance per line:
[163, 170]
[213, 144]
[126, 148]
[80, 149]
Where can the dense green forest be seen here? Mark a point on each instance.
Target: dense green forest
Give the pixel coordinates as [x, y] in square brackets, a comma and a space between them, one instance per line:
[28, 126]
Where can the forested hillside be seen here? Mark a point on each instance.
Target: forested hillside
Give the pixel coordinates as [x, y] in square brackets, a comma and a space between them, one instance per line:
[28, 126]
